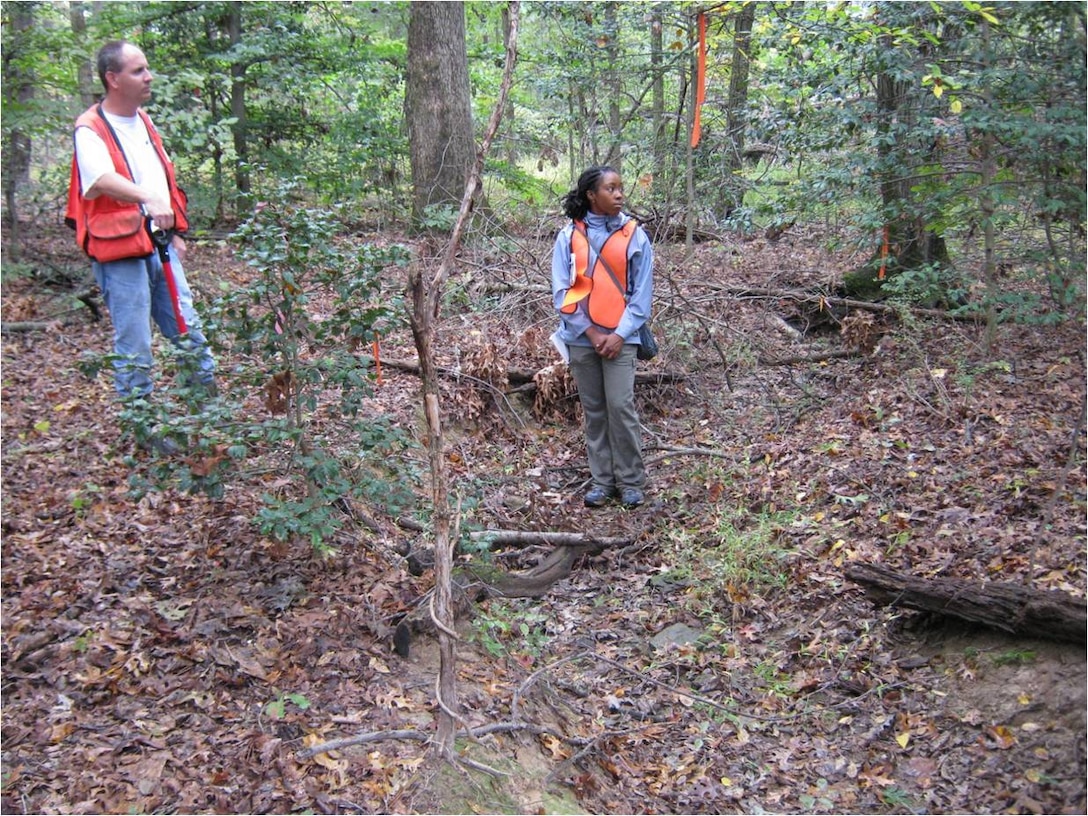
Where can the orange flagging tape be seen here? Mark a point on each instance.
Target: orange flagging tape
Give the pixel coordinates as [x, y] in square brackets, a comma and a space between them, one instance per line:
[378, 360]
[700, 83]
[884, 255]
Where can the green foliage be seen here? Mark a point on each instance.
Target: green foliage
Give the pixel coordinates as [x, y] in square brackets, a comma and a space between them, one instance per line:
[927, 285]
[323, 102]
[735, 555]
[509, 627]
[311, 360]
[314, 302]
[1014, 657]
[277, 707]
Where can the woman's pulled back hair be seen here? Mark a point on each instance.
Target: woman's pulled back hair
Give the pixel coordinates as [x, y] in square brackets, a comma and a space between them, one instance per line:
[575, 203]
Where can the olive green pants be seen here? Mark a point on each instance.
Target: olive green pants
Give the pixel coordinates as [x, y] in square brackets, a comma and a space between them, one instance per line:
[606, 389]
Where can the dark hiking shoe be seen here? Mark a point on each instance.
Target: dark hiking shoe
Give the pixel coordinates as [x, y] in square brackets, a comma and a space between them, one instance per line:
[632, 497]
[597, 497]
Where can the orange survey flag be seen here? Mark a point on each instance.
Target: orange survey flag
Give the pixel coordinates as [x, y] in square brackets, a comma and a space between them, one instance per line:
[700, 83]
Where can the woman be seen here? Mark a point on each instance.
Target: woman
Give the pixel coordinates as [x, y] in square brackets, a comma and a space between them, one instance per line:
[602, 287]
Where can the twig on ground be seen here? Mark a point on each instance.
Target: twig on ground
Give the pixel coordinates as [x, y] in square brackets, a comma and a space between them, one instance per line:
[360, 739]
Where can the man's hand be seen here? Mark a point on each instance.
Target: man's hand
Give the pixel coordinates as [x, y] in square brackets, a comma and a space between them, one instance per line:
[115, 185]
[180, 249]
[160, 213]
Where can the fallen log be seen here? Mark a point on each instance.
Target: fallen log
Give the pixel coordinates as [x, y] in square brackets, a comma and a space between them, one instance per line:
[520, 378]
[16, 326]
[477, 582]
[1012, 608]
[526, 538]
[803, 296]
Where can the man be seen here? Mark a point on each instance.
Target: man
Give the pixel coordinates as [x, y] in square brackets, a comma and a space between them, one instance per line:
[122, 188]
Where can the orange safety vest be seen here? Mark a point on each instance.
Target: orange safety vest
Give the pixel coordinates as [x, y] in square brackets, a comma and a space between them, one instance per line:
[606, 300]
[108, 229]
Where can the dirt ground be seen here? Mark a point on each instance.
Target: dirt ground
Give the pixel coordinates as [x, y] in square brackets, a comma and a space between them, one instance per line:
[160, 655]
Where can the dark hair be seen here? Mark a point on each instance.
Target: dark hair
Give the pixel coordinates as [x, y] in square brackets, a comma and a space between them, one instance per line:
[575, 204]
[109, 59]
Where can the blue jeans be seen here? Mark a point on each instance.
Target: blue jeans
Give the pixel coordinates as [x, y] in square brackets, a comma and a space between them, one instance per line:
[135, 292]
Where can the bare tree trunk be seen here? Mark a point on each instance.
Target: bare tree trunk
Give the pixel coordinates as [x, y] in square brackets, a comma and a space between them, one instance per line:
[85, 72]
[238, 108]
[986, 204]
[657, 66]
[213, 30]
[737, 114]
[689, 163]
[613, 82]
[18, 88]
[426, 301]
[438, 104]
[909, 242]
[508, 114]
[1012, 608]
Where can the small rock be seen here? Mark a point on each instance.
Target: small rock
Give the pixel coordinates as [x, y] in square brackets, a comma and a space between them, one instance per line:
[679, 634]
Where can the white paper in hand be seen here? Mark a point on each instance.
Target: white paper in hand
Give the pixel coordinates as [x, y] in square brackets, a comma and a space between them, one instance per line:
[560, 346]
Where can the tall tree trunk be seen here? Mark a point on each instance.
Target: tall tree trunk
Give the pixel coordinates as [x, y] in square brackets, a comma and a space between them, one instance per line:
[613, 83]
[907, 242]
[213, 31]
[240, 128]
[438, 105]
[657, 66]
[85, 72]
[18, 90]
[689, 156]
[737, 113]
[988, 167]
[508, 114]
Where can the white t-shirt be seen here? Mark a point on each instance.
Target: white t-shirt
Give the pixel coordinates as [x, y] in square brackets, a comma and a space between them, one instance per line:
[94, 160]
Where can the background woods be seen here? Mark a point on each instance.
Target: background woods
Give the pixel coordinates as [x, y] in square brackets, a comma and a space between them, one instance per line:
[931, 121]
[871, 307]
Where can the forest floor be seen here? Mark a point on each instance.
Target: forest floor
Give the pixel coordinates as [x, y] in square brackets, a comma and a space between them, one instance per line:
[160, 655]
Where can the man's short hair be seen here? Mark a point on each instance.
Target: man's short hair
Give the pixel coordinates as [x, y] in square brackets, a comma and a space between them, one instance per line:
[109, 59]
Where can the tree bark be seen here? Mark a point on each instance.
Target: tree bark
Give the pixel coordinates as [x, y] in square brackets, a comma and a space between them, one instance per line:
[18, 89]
[438, 105]
[657, 67]
[525, 538]
[240, 128]
[614, 157]
[736, 114]
[1012, 608]
[908, 242]
[85, 72]
[426, 301]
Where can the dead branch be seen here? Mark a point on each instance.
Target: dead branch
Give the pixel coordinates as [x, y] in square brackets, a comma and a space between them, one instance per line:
[1012, 608]
[528, 538]
[668, 452]
[801, 359]
[802, 296]
[18, 326]
[360, 739]
[523, 378]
